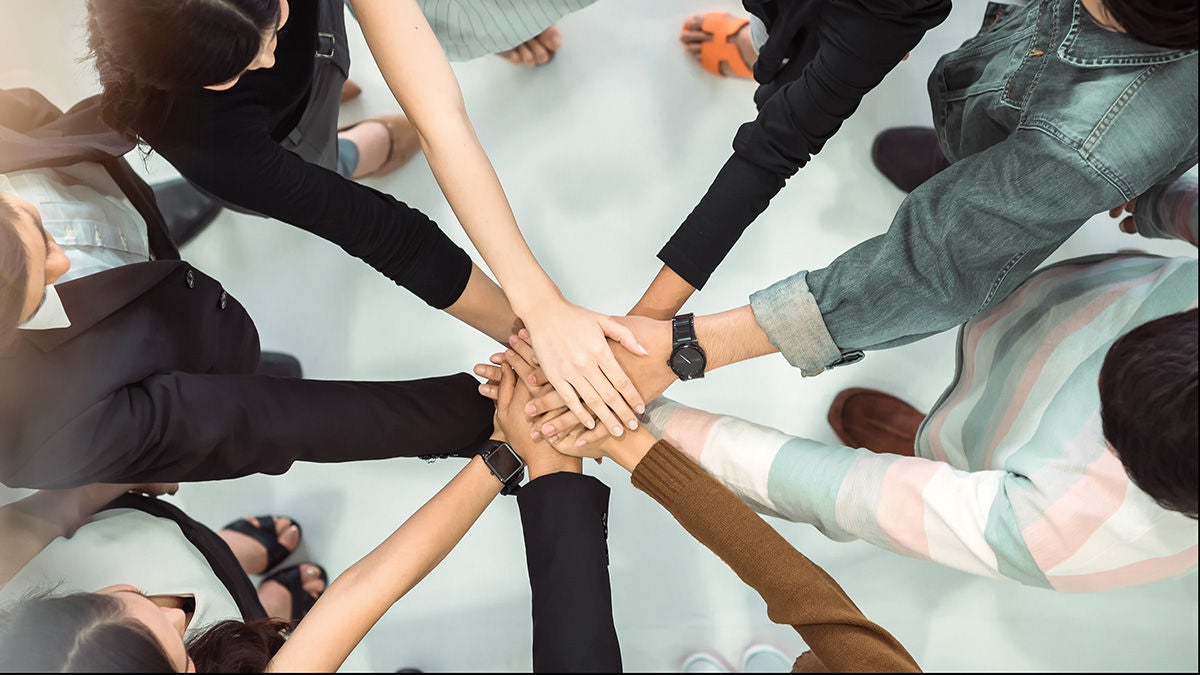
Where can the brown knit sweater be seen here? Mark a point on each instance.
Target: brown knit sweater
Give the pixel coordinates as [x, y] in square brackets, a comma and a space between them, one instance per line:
[797, 592]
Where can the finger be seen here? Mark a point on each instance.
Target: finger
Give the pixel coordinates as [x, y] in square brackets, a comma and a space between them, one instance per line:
[1115, 211]
[538, 377]
[528, 351]
[694, 50]
[524, 351]
[622, 334]
[624, 387]
[526, 55]
[487, 371]
[497, 358]
[508, 384]
[540, 54]
[571, 400]
[905, 57]
[690, 37]
[588, 437]
[1129, 225]
[615, 398]
[551, 39]
[490, 390]
[548, 402]
[599, 401]
[563, 422]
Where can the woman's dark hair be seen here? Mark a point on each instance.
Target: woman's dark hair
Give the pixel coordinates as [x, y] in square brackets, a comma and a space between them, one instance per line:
[14, 273]
[82, 633]
[237, 647]
[89, 632]
[1163, 23]
[143, 48]
[1148, 405]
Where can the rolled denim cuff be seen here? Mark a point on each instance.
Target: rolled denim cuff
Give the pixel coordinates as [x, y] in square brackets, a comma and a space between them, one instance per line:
[788, 313]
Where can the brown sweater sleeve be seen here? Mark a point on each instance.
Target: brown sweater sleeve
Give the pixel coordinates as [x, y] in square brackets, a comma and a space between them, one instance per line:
[797, 592]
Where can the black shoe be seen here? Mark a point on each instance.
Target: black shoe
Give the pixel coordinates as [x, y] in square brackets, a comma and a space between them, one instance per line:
[908, 156]
[278, 364]
[186, 210]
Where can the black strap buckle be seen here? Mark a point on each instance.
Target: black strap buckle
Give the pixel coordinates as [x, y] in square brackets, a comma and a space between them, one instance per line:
[326, 45]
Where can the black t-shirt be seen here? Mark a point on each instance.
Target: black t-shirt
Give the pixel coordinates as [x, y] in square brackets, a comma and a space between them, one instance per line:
[228, 144]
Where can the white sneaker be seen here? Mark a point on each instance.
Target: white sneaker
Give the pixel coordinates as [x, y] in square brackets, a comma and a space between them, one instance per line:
[703, 662]
[765, 659]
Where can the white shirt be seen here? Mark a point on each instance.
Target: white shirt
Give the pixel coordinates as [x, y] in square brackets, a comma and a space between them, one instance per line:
[127, 546]
[91, 219]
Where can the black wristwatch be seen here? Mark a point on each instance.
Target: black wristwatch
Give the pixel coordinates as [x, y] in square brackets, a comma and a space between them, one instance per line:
[687, 358]
[505, 464]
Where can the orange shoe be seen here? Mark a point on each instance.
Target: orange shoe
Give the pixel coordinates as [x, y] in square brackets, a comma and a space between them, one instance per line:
[713, 40]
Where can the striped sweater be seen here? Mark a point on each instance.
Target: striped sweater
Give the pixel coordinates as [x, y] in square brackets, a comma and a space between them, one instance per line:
[468, 29]
[1012, 478]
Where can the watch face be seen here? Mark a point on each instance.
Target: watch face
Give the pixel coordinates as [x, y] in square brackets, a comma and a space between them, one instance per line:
[688, 362]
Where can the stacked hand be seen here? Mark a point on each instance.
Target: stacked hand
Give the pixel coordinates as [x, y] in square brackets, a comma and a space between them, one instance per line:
[512, 426]
[553, 417]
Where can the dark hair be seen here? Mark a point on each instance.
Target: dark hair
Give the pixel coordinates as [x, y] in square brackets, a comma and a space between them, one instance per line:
[144, 48]
[14, 273]
[1148, 407]
[1163, 23]
[237, 647]
[81, 633]
[89, 632]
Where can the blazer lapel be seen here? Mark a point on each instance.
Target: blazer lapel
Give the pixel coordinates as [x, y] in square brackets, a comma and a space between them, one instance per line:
[91, 299]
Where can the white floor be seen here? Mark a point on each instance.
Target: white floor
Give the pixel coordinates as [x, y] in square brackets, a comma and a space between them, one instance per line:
[602, 153]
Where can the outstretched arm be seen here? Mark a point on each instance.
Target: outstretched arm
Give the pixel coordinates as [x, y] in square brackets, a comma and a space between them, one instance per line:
[570, 339]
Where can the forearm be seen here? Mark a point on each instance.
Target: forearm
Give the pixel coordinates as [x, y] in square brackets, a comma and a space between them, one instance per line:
[357, 599]
[796, 591]
[419, 75]
[732, 336]
[665, 296]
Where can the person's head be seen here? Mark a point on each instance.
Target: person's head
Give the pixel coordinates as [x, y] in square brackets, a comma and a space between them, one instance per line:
[146, 46]
[1148, 408]
[30, 261]
[118, 629]
[1163, 23]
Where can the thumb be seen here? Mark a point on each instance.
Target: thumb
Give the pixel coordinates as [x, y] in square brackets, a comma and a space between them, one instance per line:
[613, 330]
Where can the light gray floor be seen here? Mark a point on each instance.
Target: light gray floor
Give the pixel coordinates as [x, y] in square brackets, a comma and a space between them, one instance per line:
[602, 153]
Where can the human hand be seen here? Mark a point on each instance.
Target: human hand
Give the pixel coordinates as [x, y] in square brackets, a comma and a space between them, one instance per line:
[581, 365]
[651, 376]
[627, 450]
[512, 426]
[1127, 225]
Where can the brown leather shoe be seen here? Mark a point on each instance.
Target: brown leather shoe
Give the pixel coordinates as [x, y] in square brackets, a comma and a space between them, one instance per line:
[403, 143]
[866, 418]
[350, 91]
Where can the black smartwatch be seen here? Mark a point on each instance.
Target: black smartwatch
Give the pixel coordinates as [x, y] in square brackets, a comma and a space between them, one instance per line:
[687, 358]
[505, 464]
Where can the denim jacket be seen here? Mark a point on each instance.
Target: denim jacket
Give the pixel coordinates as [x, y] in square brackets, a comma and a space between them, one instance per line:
[1047, 119]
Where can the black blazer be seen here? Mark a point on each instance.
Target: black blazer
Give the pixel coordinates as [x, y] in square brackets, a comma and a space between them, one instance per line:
[564, 517]
[153, 380]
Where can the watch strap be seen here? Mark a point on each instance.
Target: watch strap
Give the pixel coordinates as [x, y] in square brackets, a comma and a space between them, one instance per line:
[683, 329]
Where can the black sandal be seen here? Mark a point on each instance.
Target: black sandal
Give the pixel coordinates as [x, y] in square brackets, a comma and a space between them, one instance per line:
[302, 601]
[266, 535]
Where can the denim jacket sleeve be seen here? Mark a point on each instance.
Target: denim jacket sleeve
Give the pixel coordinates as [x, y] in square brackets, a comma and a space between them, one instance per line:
[958, 243]
[1168, 210]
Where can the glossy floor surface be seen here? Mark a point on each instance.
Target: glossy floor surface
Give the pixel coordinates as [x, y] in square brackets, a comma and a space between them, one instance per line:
[602, 153]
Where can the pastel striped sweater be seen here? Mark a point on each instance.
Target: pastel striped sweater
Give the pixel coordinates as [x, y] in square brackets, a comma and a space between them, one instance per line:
[1012, 478]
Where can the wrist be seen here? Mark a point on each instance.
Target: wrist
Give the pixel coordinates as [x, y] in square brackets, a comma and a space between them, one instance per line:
[531, 302]
[560, 464]
[631, 449]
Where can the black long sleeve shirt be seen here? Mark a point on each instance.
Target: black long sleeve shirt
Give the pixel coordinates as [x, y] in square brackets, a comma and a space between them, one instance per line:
[820, 59]
[228, 144]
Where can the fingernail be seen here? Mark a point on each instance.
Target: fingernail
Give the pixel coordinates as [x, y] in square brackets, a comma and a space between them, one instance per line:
[523, 333]
[532, 380]
[589, 423]
[617, 431]
[549, 429]
[530, 409]
[632, 424]
[535, 435]
[554, 439]
[640, 408]
[480, 370]
[580, 443]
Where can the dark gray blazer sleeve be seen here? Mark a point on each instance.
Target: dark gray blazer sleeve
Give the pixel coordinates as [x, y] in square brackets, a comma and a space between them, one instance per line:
[565, 520]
